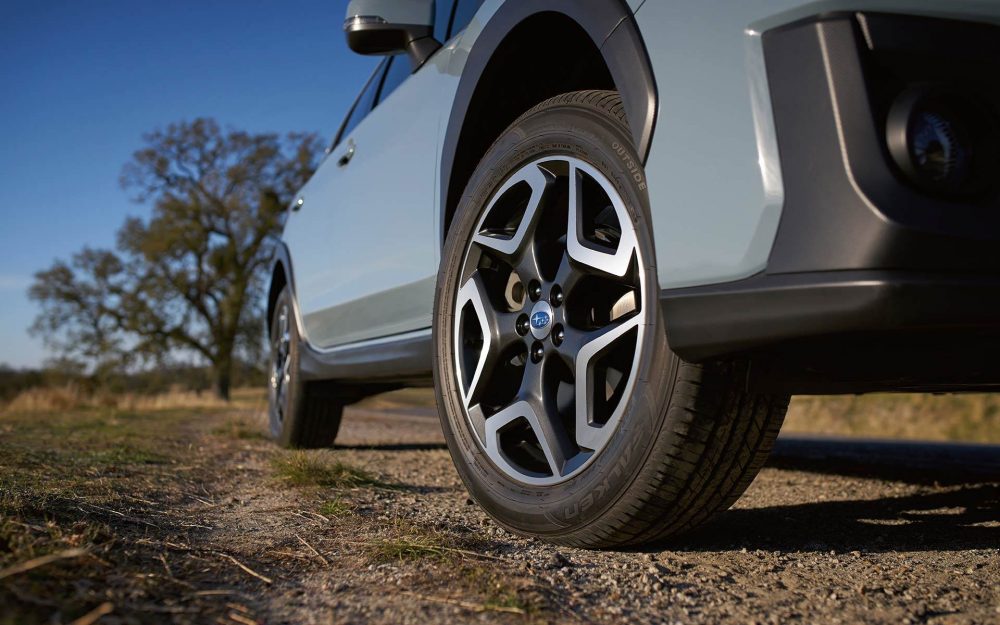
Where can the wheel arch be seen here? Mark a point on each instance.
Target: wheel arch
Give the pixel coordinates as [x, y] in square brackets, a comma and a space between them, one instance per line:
[281, 275]
[503, 77]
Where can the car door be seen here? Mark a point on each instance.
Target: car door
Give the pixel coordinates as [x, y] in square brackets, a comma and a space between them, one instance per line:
[363, 242]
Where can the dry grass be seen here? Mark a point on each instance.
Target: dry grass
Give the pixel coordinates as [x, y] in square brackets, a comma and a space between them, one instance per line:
[66, 478]
[401, 548]
[965, 417]
[72, 397]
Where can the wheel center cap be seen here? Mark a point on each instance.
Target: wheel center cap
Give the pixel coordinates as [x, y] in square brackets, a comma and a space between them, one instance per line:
[541, 320]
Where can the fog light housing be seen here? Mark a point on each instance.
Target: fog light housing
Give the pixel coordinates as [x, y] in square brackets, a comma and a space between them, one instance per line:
[936, 139]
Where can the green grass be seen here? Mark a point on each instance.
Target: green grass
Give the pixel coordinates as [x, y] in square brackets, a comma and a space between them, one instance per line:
[336, 508]
[317, 468]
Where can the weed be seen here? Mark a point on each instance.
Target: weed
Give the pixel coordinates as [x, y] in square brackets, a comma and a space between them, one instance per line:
[304, 468]
[336, 508]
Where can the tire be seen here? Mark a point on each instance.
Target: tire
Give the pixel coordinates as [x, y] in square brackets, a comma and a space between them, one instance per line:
[300, 414]
[666, 444]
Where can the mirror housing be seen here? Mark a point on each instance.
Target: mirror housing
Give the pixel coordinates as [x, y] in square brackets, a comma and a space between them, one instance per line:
[384, 27]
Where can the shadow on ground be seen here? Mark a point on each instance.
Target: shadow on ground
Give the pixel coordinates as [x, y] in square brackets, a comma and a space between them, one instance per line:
[956, 506]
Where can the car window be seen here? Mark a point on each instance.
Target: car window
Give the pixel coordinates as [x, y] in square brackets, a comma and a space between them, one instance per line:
[442, 16]
[363, 105]
[460, 18]
[399, 70]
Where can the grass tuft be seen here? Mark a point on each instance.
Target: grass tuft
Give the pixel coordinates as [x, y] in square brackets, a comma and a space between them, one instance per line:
[403, 548]
[336, 508]
[305, 468]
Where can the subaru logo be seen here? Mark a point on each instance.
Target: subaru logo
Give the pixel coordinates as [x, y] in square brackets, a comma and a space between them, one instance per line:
[540, 319]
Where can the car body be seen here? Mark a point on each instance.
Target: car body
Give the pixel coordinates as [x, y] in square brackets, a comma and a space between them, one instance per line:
[371, 284]
[788, 229]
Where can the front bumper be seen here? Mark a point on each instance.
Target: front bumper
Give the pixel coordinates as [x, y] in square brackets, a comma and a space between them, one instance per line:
[769, 311]
[862, 256]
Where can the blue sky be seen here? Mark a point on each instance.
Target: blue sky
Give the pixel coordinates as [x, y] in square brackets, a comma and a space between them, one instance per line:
[84, 80]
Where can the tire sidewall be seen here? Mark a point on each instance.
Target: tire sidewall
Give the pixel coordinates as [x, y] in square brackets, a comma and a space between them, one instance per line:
[560, 510]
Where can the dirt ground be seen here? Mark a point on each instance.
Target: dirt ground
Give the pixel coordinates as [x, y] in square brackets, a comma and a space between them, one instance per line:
[192, 516]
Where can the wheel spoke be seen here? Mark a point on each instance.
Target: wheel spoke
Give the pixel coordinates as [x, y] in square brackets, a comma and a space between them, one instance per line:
[498, 331]
[616, 263]
[550, 431]
[586, 345]
[511, 247]
[567, 276]
[548, 438]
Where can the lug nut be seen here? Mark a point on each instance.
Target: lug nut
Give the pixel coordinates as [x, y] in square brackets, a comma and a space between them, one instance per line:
[556, 296]
[534, 290]
[558, 335]
[537, 352]
[522, 325]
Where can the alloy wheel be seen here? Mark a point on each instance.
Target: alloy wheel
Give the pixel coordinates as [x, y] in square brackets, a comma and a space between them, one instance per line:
[281, 375]
[549, 319]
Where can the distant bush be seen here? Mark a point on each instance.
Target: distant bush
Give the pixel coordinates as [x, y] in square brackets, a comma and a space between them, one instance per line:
[63, 389]
[71, 397]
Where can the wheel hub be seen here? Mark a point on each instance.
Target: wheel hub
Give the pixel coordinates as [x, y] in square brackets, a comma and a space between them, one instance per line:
[541, 320]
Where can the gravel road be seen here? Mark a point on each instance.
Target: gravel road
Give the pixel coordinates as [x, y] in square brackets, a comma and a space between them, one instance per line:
[833, 531]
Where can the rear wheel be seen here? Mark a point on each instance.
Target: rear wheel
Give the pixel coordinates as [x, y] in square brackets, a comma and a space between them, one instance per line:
[566, 413]
[301, 414]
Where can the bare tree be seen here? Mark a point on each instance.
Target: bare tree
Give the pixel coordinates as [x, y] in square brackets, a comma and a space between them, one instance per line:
[190, 277]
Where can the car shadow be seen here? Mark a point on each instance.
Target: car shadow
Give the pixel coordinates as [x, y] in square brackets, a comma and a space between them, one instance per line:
[958, 510]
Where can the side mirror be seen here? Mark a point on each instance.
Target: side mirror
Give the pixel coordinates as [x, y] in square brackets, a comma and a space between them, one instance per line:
[392, 26]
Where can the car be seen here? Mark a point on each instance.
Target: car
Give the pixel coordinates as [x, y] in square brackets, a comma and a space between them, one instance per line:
[619, 236]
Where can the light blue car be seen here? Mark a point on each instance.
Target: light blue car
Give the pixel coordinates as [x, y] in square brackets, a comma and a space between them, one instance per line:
[617, 236]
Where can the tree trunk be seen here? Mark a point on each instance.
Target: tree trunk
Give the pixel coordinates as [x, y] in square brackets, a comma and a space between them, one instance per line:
[223, 370]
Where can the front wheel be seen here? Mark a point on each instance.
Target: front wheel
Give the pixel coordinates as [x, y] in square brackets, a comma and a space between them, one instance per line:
[566, 414]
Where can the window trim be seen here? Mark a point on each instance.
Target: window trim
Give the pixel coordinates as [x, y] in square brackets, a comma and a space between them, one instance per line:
[385, 74]
[377, 74]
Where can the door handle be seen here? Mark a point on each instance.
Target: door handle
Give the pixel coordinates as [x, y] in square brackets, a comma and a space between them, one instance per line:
[347, 155]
